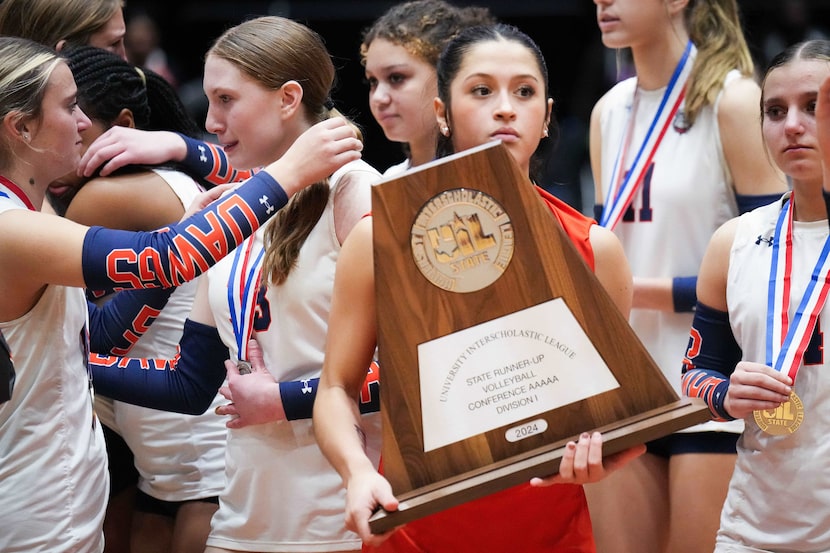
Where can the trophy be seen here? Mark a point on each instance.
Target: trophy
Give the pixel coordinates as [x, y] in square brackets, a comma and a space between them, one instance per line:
[498, 344]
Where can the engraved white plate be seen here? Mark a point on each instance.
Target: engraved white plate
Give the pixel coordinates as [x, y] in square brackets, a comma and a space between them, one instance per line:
[506, 370]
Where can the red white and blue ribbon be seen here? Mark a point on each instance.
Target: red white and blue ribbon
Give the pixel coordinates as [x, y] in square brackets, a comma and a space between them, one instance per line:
[243, 285]
[623, 185]
[787, 339]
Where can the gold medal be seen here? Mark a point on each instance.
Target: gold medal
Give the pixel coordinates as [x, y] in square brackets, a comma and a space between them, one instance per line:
[783, 420]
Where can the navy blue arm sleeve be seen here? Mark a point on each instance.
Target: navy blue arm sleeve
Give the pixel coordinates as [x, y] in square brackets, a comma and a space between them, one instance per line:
[209, 162]
[298, 396]
[117, 325]
[684, 293]
[169, 257]
[710, 359]
[185, 384]
[747, 203]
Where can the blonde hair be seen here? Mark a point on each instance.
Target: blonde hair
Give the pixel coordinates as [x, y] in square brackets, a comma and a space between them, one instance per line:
[273, 50]
[50, 21]
[25, 69]
[715, 28]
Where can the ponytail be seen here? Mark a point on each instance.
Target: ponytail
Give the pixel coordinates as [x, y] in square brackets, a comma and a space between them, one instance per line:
[715, 29]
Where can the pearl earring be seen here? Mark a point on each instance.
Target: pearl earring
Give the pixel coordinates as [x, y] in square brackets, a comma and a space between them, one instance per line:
[445, 130]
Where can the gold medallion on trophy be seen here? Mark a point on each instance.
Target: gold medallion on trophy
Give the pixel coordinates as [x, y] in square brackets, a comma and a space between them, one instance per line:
[462, 240]
[783, 420]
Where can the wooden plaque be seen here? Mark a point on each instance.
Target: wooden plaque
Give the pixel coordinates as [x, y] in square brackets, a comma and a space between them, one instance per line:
[498, 344]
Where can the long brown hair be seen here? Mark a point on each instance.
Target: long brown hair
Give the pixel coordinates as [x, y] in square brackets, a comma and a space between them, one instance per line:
[715, 28]
[272, 51]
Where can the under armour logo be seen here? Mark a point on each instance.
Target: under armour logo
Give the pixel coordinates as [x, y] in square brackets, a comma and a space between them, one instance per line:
[764, 239]
[306, 388]
[202, 156]
[264, 201]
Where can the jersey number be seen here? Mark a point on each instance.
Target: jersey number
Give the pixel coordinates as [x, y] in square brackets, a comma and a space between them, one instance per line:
[262, 315]
[645, 193]
[814, 355]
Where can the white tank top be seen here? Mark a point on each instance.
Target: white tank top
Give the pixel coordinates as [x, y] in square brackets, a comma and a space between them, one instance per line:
[780, 492]
[53, 465]
[276, 472]
[688, 196]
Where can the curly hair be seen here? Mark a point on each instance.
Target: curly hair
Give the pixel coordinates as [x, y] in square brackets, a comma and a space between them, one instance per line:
[424, 27]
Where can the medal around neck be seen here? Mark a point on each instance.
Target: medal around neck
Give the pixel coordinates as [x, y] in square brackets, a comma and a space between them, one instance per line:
[789, 335]
[783, 420]
[244, 367]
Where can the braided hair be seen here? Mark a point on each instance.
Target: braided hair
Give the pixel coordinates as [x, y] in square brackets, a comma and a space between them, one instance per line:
[107, 84]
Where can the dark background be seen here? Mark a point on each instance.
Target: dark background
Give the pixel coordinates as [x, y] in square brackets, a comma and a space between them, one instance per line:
[566, 31]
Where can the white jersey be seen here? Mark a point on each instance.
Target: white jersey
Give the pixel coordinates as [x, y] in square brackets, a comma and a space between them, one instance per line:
[686, 196]
[53, 464]
[178, 457]
[780, 491]
[282, 494]
[398, 169]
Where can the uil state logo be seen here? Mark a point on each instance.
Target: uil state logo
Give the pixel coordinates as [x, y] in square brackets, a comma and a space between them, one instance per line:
[462, 240]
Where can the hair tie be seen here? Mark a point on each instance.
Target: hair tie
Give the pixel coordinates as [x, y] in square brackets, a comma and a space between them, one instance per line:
[328, 103]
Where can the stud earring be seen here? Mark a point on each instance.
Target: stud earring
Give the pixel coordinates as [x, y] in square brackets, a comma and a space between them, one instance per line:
[545, 132]
[445, 130]
[26, 136]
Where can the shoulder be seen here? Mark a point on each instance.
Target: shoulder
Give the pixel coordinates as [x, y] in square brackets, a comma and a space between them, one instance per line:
[605, 243]
[621, 93]
[133, 201]
[620, 96]
[760, 220]
[739, 99]
[355, 172]
[746, 227]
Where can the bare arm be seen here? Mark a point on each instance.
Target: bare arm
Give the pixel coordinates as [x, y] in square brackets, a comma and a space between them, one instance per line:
[595, 151]
[739, 121]
[711, 280]
[352, 338]
[611, 267]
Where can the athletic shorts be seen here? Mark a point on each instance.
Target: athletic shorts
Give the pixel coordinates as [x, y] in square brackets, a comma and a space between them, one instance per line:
[694, 442]
[148, 504]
